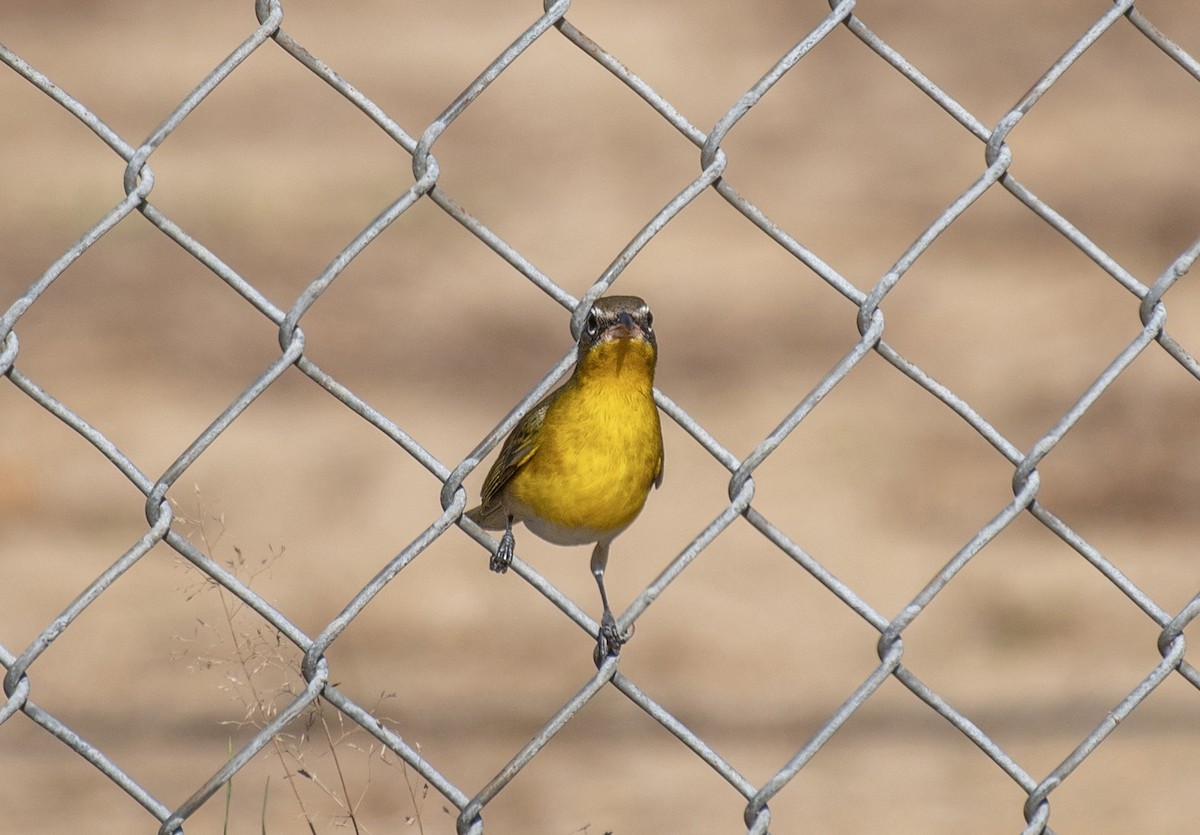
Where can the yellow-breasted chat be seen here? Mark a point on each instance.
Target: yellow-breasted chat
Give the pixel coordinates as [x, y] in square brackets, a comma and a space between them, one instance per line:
[578, 467]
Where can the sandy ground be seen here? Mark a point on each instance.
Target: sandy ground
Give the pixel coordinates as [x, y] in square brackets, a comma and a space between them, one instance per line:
[882, 484]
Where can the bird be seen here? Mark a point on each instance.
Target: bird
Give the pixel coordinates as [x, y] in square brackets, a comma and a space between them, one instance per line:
[578, 467]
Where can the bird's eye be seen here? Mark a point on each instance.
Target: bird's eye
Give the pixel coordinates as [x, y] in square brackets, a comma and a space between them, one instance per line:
[593, 324]
[649, 320]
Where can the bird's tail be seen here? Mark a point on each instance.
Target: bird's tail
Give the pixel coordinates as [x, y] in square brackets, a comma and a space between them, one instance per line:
[494, 520]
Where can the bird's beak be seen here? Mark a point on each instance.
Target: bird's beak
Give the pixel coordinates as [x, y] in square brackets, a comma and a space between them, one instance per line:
[625, 327]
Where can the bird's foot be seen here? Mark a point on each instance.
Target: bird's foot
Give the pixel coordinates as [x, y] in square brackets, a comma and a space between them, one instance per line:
[610, 639]
[503, 556]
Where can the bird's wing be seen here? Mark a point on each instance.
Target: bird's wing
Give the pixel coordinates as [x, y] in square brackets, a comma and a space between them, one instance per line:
[518, 448]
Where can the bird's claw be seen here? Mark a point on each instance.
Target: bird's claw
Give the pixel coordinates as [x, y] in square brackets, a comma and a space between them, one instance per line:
[610, 639]
[503, 556]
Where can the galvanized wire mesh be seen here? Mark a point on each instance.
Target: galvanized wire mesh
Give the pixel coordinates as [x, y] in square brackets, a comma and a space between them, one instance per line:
[471, 801]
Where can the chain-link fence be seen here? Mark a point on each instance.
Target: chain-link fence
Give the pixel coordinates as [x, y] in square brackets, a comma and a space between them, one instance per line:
[741, 633]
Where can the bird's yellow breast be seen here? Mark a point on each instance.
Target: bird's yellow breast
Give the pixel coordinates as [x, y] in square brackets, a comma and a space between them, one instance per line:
[599, 449]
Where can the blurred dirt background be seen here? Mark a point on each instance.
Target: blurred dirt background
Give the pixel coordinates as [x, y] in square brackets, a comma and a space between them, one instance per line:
[275, 173]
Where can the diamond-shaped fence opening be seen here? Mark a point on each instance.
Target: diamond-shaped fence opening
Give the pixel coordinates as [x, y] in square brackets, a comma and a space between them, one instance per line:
[924, 557]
